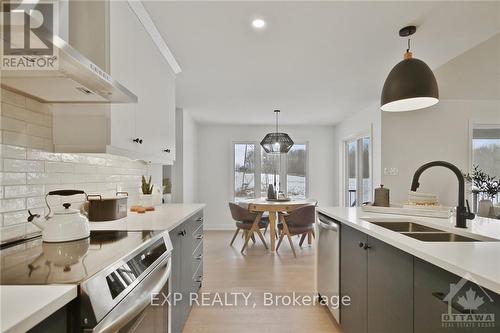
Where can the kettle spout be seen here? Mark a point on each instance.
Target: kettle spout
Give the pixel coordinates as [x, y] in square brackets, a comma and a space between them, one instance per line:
[36, 220]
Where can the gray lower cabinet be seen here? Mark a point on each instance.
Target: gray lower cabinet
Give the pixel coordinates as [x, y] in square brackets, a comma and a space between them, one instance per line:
[440, 297]
[379, 280]
[187, 267]
[353, 280]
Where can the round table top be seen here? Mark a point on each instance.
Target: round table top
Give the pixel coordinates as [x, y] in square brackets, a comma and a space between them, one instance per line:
[261, 204]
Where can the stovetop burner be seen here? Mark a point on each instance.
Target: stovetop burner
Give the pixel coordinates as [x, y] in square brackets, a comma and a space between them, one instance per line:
[36, 262]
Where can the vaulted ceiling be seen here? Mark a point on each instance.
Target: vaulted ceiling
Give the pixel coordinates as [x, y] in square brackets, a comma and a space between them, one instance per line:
[318, 62]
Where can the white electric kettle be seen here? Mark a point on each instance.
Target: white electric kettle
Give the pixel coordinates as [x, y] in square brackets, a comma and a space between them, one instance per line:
[65, 224]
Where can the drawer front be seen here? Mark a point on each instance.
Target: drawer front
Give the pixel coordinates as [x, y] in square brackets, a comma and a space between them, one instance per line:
[198, 276]
[431, 292]
[198, 237]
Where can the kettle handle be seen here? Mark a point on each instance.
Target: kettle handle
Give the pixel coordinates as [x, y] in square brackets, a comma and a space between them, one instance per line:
[62, 193]
[66, 192]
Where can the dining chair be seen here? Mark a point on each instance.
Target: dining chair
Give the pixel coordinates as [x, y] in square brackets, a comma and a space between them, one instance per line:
[297, 222]
[248, 222]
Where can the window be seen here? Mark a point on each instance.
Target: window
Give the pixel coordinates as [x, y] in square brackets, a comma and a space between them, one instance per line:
[486, 150]
[259, 169]
[244, 171]
[296, 172]
[357, 175]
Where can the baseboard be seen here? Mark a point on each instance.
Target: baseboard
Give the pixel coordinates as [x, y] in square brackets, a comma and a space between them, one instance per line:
[216, 227]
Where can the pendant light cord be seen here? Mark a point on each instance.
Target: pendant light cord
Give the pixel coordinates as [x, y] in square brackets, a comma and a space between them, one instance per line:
[277, 119]
[409, 44]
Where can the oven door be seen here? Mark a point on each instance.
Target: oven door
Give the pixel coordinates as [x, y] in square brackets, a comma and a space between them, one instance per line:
[135, 312]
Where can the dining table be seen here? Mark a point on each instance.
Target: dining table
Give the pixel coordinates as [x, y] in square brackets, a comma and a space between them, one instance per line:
[273, 207]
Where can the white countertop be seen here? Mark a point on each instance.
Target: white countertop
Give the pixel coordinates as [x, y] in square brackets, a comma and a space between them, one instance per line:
[165, 217]
[22, 307]
[477, 261]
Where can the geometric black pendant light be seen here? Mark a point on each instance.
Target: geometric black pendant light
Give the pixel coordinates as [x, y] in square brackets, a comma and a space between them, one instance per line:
[411, 84]
[277, 143]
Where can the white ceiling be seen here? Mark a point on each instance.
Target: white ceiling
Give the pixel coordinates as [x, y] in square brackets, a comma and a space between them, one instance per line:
[316, 61]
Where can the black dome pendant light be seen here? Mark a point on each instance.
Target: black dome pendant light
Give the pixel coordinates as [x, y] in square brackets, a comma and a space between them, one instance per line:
[411, 84]
[278, 143]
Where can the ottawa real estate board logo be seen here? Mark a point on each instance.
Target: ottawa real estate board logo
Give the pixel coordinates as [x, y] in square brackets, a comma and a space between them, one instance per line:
[27, 35]
[467, 306]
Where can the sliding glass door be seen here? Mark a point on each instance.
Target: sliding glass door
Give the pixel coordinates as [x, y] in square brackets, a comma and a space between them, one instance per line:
[357, 176]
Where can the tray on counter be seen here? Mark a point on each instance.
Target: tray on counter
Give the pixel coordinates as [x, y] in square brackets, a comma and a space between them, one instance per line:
[437, 212]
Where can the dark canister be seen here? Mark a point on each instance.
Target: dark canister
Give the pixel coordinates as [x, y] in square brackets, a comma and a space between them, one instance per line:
[381, 197]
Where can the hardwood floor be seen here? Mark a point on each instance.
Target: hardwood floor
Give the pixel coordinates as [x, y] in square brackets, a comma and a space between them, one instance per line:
[257, 272]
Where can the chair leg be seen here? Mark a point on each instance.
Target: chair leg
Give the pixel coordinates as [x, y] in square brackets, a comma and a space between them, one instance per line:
[287, 232]
[247, 238]
[302, 238]
[279, 241]
[253, 237]
[313, 234]
[234, 237]
[309, 238]
[266, 229]
[262, 238]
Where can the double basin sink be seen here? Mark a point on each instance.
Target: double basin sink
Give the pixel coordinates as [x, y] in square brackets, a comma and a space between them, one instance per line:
[422, 232]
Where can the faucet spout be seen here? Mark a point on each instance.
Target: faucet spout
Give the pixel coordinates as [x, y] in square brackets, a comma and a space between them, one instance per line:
[462, 213]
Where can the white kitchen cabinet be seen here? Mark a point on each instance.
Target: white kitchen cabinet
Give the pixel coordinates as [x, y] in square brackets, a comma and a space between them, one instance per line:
[134, 60]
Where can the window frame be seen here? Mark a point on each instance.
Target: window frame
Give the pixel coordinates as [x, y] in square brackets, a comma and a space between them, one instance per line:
[258, 168]
[343, 174]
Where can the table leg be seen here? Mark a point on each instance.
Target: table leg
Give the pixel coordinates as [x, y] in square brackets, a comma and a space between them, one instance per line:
[272, 229]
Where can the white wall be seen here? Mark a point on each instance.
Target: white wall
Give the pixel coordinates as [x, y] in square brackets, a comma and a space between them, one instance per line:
[469, 92]
[185, 179]
[365, 121]
[215, 165]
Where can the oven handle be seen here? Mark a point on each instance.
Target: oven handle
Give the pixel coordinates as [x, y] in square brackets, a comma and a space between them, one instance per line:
[328, 226]
[137, 300]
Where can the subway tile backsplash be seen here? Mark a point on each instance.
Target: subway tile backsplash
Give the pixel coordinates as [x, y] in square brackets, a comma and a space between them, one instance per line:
[29, 168]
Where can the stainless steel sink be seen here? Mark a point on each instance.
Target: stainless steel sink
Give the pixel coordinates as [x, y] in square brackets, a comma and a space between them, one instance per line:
[406, 227]
[439, 237]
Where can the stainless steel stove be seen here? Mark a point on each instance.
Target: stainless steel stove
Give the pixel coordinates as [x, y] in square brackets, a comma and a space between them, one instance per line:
[116, 271]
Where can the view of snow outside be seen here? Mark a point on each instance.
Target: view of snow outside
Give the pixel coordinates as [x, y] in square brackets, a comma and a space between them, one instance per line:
[244, 169]
[486, 154]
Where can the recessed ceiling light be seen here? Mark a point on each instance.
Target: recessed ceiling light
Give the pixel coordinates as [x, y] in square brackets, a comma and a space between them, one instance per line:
[258, 23]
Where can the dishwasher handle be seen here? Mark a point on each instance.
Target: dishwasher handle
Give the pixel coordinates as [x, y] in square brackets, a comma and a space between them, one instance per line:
[328, 226]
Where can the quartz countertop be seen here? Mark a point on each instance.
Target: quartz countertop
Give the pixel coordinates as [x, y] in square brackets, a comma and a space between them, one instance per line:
[164, 217]
[477, 261]
[22, 307]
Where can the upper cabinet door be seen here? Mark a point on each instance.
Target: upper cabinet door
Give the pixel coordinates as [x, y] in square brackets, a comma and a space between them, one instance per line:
[123, 29]
[155, 117]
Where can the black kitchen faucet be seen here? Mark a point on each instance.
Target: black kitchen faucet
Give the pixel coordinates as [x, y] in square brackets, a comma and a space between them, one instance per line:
[463, 213]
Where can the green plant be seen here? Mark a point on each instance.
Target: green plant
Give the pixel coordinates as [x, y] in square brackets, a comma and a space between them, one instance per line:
[482, 182]
[167, 186]
[147, 188]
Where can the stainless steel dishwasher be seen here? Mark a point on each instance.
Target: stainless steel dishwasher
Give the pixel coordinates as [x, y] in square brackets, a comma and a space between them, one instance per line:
[328, 261]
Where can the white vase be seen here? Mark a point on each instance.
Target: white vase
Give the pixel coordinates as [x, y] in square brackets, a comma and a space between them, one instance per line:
[167, 197]
[485, 208]
[146, 200]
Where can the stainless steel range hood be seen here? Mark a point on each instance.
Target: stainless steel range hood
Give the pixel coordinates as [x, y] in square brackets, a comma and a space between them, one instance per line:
[75, 80]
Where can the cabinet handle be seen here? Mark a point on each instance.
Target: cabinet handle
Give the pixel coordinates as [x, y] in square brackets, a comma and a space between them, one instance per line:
[199, 279]
[365, 246]
[199, 237]
[199, 257]
[182, 233]
[199, 219]
[138, 140]
[166, 150]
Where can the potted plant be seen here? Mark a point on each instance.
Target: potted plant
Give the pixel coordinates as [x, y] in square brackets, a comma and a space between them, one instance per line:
[167, 190]
[484, 188]
[147, 190]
